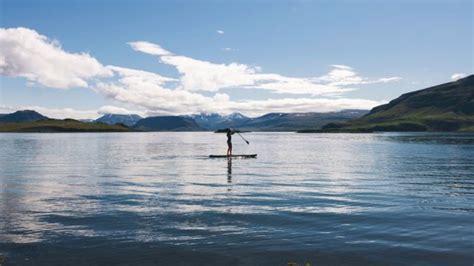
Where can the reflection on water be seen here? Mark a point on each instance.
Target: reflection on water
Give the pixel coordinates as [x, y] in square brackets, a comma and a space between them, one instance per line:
[432, 138]
[229, 170]
[156, 198]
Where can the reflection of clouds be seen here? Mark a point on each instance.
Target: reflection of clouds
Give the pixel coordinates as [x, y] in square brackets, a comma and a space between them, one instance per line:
[17, 153]
[318, 162]
[324, 209]
[150, 187]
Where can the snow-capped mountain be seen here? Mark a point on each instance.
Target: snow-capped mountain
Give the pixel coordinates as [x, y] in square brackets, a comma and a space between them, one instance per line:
[111, 119]
[216, 121]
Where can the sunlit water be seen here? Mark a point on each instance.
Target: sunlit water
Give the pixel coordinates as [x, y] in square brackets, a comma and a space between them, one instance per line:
[156, 198]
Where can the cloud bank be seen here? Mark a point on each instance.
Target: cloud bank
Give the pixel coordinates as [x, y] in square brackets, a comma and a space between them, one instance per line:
[62, 113]
[147, 90]
[198, 87]
[199, 75]
[27, 54]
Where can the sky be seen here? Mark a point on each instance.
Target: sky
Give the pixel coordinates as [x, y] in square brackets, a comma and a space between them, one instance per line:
[81, 59]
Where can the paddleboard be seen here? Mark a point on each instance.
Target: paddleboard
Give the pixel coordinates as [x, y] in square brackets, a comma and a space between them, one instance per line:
[234, 156]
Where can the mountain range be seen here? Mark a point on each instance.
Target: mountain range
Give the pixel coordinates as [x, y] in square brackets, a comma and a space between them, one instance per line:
[167, 123]
[111, 119]
[274, 121]
[297, 121]
[32, 121]
[213, 121]
[199, 122]
[445, 107]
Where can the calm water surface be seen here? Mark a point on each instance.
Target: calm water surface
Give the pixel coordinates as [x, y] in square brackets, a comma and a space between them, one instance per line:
[155, 198]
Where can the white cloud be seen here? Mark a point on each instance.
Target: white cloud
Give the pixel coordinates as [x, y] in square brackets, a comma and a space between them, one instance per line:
[199, 75]
[35, 57]
[228, 49]
[301, 105]
[58, 113]
[27, 54]
[386, 80]
[457, 76]
[343, 75]
[342, 67]
[149, 48]
[62, 113]
[147, 90]
[140, 74]
[220, 31]
[281, 84]
[4, 109]
[108, 109]
[151, 94]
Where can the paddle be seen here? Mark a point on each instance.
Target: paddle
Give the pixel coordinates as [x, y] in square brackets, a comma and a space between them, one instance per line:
[248, 143]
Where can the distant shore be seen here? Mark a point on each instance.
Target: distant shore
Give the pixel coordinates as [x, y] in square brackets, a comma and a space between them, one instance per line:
[66, 125]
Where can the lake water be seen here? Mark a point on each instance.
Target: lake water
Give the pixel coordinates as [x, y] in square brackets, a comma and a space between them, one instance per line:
[156, 198]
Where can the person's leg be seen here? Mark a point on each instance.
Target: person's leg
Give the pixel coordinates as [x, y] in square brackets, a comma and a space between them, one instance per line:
[230, 149]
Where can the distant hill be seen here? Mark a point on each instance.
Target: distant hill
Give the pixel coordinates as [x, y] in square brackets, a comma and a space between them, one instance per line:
[111, 119]
[55, 125]
[274, 121]
[446, 107]
[214, 121]
[167, 123]
[297, 121]
[22, 116]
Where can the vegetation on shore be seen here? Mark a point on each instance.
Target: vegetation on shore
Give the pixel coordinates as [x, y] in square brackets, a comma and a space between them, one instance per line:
[167, 123]
[446, 107]
[56, 125]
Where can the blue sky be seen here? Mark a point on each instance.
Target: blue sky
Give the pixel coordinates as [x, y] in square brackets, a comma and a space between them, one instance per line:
[267, 56]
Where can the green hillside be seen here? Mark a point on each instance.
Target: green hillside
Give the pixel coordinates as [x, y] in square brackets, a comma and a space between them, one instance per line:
[167, 123]
[446, 107]
[66, 125]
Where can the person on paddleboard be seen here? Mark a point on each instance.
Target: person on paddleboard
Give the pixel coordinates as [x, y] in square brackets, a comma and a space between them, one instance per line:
[230, 132]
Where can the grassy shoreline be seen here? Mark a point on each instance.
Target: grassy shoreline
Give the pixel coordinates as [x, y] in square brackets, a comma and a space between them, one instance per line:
[55, 125]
